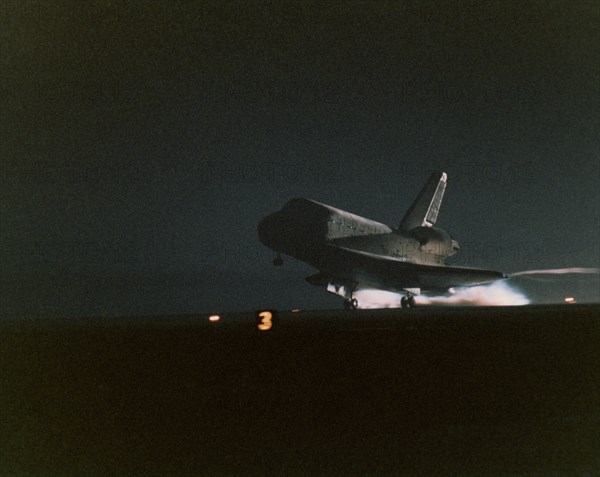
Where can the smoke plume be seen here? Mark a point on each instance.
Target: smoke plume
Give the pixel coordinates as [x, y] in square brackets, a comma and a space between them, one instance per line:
[498, 293]
[373, 298]
[557, 271]
[493, 294]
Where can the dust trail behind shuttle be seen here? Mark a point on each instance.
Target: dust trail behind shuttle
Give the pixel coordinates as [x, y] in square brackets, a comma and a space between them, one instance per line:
[498, 293]
[373, 298]
[557, 271]
[494, 294]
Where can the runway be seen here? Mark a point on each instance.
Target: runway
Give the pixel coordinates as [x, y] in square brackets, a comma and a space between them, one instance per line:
[426, 391]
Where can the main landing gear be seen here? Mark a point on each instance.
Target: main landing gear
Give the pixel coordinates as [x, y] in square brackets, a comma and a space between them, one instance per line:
[408, 301]
[278, 261]
[350, 304]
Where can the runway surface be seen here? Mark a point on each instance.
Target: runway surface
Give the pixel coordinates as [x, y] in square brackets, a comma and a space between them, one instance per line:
[429, 391]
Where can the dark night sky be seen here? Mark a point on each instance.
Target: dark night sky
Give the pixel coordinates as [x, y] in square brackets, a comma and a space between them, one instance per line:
[141, 143]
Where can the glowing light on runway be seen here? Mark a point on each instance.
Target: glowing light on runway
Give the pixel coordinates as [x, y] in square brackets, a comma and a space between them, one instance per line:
[214, 318]
[569, 299]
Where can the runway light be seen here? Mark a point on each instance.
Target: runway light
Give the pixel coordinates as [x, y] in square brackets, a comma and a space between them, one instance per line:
[569, 299]
[214, 318]
[295, 310]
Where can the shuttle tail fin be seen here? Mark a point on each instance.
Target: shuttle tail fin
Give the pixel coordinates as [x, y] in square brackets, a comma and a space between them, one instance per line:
[425, 209]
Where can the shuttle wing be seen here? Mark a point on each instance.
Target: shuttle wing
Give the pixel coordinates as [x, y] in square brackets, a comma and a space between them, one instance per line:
[397, 274]
[425, 209]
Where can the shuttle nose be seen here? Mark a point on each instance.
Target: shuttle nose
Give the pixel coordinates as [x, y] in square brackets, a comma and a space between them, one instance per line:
[267, 229]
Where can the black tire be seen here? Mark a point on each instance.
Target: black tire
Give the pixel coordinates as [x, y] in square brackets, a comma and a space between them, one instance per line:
[411, 302]
[404, 302]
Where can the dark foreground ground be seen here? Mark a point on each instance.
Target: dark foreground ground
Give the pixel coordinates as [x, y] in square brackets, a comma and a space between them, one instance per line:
[459, 391]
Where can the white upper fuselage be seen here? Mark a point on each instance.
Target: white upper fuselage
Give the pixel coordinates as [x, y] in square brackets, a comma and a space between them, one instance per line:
[353, 251]
[303, 226]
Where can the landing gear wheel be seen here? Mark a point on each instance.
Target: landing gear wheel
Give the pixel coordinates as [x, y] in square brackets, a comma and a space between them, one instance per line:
[351, 304]
[278, 261]
[408, 302]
